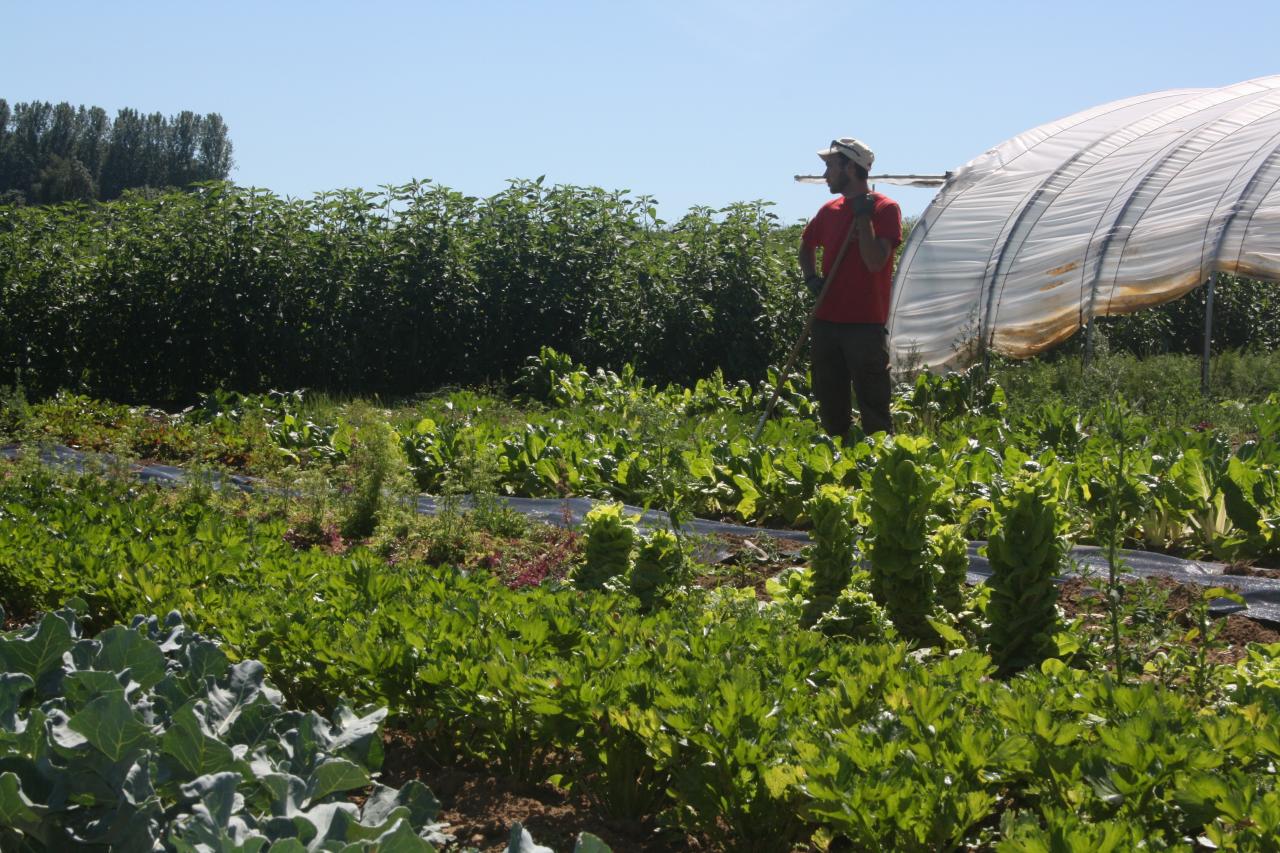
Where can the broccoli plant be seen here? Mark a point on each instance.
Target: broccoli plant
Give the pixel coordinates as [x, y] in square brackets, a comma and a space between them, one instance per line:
[1026, 551]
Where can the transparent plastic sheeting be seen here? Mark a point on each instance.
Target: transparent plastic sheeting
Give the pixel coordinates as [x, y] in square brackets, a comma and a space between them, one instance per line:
[1117, 208]
[1261, 595]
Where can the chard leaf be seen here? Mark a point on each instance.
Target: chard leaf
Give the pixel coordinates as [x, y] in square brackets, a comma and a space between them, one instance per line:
[111, 726]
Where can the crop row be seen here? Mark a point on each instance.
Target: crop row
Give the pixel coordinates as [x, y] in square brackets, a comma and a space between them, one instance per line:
[715, 711]
[1188, 491]
[690, 450]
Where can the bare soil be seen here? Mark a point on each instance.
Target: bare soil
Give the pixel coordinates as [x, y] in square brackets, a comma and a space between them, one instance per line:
[1242, 570]
[1078, 596]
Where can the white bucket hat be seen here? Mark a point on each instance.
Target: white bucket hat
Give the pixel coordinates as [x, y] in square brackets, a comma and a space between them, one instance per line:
[851, 148]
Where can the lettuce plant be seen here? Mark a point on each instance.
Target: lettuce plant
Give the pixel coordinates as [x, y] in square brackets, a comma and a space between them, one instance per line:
[832, 511]
[855, 614]
[610, 537]
[902, 504]
[1026, 551]
[952, 553]
[658, 568]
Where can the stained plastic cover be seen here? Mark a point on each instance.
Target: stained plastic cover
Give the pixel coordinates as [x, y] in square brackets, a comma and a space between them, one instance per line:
[1120, 207]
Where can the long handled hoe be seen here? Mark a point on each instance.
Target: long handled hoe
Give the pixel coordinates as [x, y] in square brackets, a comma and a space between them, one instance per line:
[804, 336]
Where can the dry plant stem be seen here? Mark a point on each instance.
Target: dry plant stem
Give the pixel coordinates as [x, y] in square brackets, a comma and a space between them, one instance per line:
[804, 335]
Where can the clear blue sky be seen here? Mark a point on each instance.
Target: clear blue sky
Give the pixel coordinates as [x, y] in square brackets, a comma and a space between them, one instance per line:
[694, 103]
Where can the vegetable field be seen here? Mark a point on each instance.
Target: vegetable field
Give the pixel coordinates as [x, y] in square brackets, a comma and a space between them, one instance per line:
[856, 695]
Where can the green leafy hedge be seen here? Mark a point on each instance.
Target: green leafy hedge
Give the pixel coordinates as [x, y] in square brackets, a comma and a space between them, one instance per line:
[390, 292]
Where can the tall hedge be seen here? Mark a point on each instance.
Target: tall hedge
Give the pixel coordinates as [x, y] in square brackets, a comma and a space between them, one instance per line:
[391, 292]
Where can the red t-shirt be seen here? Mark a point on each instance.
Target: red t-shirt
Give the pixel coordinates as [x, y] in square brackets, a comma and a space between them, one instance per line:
[856, 294]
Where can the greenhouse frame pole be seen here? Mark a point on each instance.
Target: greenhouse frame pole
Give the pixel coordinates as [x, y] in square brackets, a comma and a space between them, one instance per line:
[1208, 336]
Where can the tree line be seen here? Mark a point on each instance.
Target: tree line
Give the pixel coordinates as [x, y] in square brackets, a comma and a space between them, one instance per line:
[53, 153]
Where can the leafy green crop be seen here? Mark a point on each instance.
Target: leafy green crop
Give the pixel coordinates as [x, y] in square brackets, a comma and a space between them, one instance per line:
[1026, 551]
[610, 537]
[832, 554]
[659, 567]
[902, 506]
[857, 615]
[714, 713]
[148, 735]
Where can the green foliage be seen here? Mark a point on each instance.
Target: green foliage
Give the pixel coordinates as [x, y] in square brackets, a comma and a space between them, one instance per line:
[932, 399]
[832, 554]
[166, 297]
[1026, 551]
[381, 481]
[659, 568]
[148, 735]
[855, 614]
[716, 713]
[1245, 315]
[51, 154]
[610, 536]
[952, 553]
[902, 506]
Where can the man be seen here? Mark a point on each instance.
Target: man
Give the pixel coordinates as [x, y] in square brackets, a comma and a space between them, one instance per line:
[849, 342]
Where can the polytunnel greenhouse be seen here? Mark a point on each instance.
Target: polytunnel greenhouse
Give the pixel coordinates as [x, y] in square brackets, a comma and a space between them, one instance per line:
[1117, 208]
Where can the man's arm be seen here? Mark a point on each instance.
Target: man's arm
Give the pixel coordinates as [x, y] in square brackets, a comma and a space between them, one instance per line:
[875, 251]
[807, 261]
